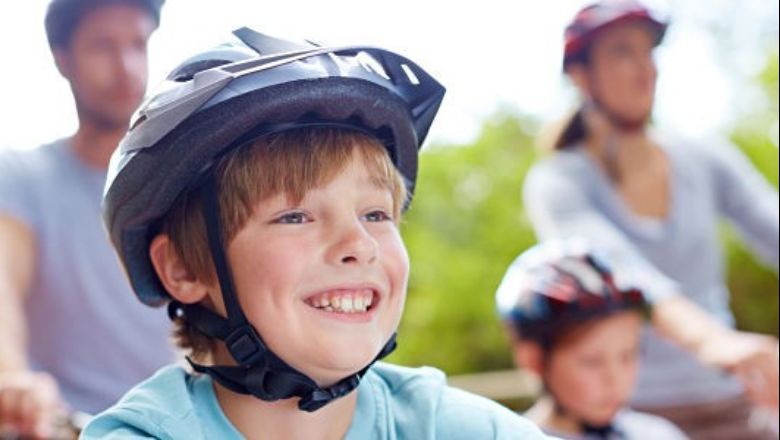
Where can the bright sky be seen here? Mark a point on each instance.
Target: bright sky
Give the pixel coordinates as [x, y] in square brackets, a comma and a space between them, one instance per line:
[494, 54]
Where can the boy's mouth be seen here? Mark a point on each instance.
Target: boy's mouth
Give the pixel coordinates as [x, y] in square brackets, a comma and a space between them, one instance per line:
[344, 300]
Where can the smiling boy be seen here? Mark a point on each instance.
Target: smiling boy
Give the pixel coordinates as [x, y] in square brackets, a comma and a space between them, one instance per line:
[259, 196]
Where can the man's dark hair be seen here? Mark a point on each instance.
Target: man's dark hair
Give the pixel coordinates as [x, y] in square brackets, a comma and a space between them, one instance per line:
[64, 16]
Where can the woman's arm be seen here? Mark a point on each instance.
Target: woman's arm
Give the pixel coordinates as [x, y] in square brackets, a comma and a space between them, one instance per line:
[753, 358]
[747, 200]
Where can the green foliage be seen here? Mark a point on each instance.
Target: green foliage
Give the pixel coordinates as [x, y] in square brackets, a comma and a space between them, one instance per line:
[754, 132]
[467, 224]
[464, 228]
[755, 288]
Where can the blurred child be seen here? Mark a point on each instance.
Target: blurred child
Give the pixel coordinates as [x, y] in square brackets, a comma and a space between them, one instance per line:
[259, 196]
[577, 328]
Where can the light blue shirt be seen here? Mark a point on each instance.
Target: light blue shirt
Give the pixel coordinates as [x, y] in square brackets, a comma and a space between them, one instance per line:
[84, 324]
[568, 195]
[392, 403]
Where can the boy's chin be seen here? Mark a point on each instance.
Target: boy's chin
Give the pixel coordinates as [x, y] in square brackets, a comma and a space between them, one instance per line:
[603, 418]
[329, 368]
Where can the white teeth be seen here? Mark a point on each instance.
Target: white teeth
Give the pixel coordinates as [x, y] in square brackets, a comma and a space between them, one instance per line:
[346, 304]
[359, 304]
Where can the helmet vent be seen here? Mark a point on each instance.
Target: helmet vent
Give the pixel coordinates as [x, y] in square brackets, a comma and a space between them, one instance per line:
[137, 122]
[410, 74]
[187, 72]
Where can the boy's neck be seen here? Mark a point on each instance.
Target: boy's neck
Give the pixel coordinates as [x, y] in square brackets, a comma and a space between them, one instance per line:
[544, 414]
[257, 419]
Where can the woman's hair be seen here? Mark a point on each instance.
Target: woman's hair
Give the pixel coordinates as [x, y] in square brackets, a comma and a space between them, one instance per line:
[572, 132]
[290, 162]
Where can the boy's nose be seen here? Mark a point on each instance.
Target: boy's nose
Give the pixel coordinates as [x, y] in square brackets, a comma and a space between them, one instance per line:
[354, 246]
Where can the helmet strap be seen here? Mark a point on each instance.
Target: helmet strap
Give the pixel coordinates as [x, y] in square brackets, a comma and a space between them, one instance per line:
[259, 372]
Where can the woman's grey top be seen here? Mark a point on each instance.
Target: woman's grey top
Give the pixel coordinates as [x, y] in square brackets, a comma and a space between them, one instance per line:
[568, 195]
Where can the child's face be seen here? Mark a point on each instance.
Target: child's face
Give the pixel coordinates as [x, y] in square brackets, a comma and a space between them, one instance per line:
[324, 281]
[593, 376]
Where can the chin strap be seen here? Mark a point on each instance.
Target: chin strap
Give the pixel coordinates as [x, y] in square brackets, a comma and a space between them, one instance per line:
[262, 373]
[259, 371]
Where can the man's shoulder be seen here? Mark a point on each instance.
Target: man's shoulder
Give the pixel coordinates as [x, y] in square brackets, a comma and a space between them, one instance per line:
[26, 162]
[159, 407]
[28, 178]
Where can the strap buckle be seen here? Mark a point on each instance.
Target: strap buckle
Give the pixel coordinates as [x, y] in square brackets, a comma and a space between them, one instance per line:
[245, 345]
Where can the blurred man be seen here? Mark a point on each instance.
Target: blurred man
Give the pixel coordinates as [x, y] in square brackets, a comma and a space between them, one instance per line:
[63, 343]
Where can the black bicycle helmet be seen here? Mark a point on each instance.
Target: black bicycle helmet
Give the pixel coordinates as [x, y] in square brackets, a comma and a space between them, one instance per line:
[63, 16]
[223, 98]
[557, 284]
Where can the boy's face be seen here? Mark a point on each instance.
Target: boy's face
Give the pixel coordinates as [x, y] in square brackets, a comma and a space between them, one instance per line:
[593, 376]
[324, 281]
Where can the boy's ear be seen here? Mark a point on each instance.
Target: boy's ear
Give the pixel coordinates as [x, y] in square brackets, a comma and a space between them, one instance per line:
[175, 277]
[529, 355]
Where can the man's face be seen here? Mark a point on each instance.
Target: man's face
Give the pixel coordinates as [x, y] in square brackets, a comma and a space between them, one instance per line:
[106, 64]
[323, 281]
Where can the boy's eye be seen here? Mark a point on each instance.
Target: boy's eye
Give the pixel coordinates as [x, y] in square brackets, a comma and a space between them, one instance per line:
[292, 218]
[378, 216]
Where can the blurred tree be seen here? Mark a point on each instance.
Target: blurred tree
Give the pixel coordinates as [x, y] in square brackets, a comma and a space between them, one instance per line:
[754, 287]
[464, 228]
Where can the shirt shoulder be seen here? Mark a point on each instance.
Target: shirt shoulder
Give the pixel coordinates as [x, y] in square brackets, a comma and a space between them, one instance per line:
[636, 424]
[462, 415]
[573, 163]
[563, 172]
[421, 399]
[20, 163]
[160, 407]
[690, 153]
[26, 177]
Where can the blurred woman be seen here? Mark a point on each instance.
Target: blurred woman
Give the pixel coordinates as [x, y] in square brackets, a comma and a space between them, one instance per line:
[657, 201]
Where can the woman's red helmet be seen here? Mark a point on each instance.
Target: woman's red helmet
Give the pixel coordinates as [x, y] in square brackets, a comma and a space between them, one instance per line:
[596, 17]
